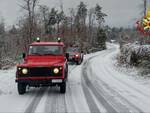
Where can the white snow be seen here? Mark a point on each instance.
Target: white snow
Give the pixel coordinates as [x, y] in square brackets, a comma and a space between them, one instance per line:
[120, 90]
[133, 91]
[140, 50]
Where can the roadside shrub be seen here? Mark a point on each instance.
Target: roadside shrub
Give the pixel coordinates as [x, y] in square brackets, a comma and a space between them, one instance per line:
[136, 55]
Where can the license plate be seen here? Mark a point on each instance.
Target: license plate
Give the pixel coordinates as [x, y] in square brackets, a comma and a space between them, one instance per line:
[56, 81]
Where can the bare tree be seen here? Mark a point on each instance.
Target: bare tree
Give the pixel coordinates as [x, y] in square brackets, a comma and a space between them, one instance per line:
[92, 18]
[72, 16]
[44, 10]
[29, 6]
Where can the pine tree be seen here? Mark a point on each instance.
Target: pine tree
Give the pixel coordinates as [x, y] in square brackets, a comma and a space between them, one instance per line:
[99, 14]
[82, 12]
[44, 11]
[81, 15]
[52, 20]
[60, 17]
[80, 23]
[101, 35]
[101, 38]
[2, 26]
[53, 17]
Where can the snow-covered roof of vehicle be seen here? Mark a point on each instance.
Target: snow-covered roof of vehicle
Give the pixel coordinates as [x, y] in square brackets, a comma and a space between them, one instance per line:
[48, 43]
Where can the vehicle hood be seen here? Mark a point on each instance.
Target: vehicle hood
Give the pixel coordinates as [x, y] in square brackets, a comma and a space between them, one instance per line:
[32, 61]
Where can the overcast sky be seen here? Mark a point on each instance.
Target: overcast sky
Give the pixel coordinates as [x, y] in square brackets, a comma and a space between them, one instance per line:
[121, 13]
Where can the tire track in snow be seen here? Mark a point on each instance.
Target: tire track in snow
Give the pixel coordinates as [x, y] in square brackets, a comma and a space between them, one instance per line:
[101, 85]
[55, 102]
[72, 68]
[1, 92]
[34, 103]
[132, 106]
[90, 101]
[98, 91]
[99, 97]
[108, 70]
[88, 84]
[112, 91]
[121, 81]
[128, 108]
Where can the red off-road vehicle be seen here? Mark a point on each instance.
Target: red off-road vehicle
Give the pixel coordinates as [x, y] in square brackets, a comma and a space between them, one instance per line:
[75, 55]
[44, 65]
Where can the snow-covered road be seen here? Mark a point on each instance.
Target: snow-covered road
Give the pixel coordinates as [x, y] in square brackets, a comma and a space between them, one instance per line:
[94, 86]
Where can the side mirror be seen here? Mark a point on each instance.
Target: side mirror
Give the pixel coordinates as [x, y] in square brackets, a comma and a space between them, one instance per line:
[82, 51]
[67, 56]
[23, 55]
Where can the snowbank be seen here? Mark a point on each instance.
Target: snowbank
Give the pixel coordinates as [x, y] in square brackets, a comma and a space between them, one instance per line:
[136, 55]
[7, 63]
[132, 53]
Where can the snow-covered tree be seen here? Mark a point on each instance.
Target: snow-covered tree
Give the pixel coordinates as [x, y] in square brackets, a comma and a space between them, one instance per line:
[99, 14]
[101, 38]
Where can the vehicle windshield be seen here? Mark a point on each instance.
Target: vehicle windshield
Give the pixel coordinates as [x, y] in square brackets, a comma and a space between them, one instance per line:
[45, 50]
[71, 49]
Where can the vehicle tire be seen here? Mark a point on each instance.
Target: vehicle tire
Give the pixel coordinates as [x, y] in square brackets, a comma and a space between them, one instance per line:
[82, 58]
[79, 62]
[21, 88]
[63, 88]
[66, 75]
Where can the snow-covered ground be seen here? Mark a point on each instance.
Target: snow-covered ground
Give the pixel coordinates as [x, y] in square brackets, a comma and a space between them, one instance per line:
[94, 86]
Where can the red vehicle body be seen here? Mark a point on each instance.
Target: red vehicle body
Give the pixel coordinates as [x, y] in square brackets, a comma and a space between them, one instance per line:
[75, 55]
[44, 65]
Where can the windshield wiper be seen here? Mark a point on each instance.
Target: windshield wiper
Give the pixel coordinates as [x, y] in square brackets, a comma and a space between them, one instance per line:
[50, 54]
[36, 54]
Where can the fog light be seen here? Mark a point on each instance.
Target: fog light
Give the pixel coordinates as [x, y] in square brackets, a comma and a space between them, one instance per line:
[56, 70]
[24, 71]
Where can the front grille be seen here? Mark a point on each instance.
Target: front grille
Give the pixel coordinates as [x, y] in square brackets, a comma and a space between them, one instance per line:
[42, 71]
[38, 71]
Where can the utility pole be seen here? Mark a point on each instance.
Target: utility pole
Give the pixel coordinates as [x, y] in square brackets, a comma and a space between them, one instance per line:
[145, 7]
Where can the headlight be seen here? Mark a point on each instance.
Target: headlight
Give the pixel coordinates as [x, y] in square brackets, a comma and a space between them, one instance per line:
[24, 71]
[77, 55]
[56, 70]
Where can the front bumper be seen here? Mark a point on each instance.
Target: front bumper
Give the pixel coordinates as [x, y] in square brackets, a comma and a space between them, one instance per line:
[41, 81]
[73, 59]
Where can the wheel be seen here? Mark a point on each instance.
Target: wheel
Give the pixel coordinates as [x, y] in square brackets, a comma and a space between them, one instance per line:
[82, 58]
[79, 62]
[21, 88]
[63, 88]
[66, 74]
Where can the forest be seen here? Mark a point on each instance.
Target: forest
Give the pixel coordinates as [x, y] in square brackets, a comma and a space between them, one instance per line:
[82, 26]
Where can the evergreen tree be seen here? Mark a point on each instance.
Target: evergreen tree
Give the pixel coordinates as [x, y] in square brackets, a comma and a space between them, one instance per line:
[101, 38]
[80, 23]
[60, 17]
[2, 27]
[99, 14]
[52, 20]
[53, 17]
[44, 11]
[82, 12]
[13, 30]
[101, 35]
[81, 15]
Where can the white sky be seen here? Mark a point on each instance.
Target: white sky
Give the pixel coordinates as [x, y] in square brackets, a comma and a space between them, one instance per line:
[121, 13]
